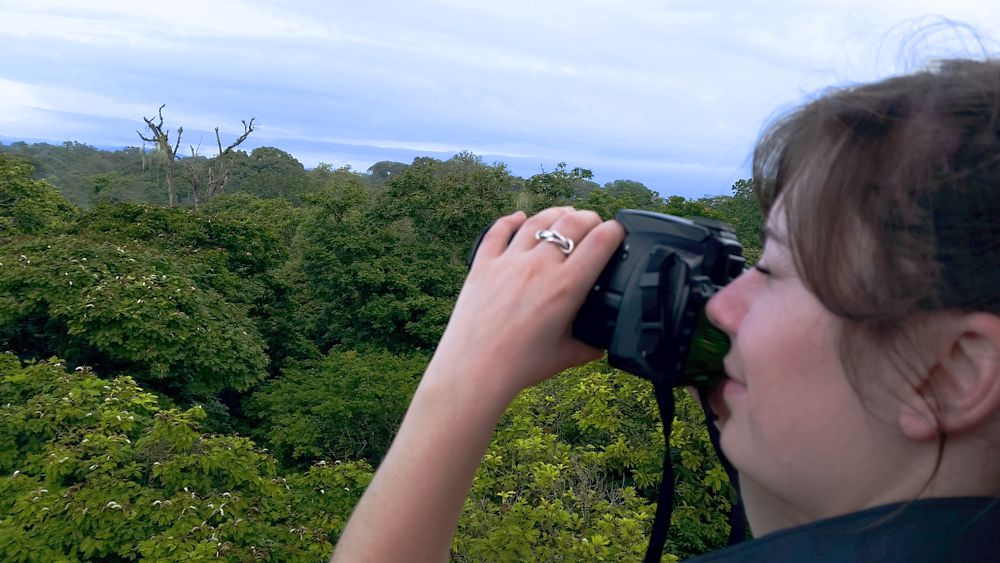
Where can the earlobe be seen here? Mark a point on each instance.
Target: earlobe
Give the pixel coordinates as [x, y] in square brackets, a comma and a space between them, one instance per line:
[961, 391]
[918, 420]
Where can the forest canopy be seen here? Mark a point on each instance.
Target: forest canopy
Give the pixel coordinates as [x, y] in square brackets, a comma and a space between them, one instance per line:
[218, 379]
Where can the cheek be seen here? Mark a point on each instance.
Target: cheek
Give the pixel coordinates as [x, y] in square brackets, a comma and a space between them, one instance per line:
[790, 342]
[795, 380]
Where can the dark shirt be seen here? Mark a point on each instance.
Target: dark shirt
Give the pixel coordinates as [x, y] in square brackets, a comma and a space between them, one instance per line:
[950, 529]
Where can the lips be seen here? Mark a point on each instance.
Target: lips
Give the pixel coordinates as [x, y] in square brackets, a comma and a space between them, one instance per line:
[730, 371]
[721, 394]
[718, 403]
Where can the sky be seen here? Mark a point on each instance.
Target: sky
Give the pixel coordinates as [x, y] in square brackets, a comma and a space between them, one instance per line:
[672, 94]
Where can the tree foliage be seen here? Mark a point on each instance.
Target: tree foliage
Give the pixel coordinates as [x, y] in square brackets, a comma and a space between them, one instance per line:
[123, 309]
[385, 169]
[573, 470]
[300, 310]
[94, 469]
[449, 201]
[346, 406]
[28, 206]
[382, 268]
[742, 211]
[556, 187]
[269, 172]
[236, 246]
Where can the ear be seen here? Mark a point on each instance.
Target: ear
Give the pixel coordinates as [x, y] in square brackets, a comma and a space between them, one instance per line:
[961, 389]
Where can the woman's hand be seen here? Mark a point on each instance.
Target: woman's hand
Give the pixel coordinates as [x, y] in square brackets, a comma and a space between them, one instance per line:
[510, 329]
[511, 324]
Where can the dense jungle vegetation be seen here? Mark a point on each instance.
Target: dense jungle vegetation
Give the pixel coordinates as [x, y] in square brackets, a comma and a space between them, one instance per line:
[219, 380]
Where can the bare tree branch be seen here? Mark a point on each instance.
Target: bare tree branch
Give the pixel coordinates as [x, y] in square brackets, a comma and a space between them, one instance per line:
[247, 129]
[218, 171]
[162, 140]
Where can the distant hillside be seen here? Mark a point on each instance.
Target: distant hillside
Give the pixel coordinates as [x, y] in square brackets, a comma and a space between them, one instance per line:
[85, 174]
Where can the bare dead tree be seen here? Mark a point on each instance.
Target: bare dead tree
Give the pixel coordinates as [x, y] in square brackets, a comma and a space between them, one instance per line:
[193, 175]
[218, 170]
[204, 188]
[161, 138]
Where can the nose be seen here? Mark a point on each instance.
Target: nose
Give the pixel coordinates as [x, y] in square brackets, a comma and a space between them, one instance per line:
[728, 306]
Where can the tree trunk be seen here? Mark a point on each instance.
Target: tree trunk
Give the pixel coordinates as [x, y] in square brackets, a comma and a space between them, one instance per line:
[171, 189]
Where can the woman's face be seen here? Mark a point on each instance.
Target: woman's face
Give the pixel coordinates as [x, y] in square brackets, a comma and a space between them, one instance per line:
[789, 419]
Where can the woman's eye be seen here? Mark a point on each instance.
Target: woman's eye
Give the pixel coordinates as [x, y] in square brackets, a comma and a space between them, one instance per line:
[763, 269]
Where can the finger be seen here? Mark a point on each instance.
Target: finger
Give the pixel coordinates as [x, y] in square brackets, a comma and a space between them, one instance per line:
[525, 237]
[598, 247]
[574, 226]
[496, 239]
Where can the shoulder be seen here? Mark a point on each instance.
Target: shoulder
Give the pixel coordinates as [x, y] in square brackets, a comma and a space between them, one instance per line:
[954, 529]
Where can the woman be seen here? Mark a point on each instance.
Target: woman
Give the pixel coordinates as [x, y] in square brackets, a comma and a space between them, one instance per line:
[862, 408]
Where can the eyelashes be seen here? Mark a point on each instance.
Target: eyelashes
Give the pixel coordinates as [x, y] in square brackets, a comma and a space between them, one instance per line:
[762, 269]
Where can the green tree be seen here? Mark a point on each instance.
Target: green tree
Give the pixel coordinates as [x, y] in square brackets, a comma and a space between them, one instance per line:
[361, 284]
[269, 172]
[573, 468]
[75, 169]
[28, 206]
[124, 309]
[383, 269]
[742, 211]
[557, 187]
[94, 470]
[346, 406]
[363, 267]
[635, 193]
[340, 192]
[382, 170]
[450, 201]
[237, 245]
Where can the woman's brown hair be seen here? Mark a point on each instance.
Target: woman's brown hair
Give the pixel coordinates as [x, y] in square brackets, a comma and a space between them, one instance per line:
[891, 193]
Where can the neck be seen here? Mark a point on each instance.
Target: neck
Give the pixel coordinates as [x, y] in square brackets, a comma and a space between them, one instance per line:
[765, 512]
[961, 472]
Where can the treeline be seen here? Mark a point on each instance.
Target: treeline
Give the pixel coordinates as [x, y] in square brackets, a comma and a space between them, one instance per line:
[87, 176]
[220, 381]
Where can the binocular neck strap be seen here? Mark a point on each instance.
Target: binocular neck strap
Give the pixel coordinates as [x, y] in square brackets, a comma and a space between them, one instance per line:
[665, 497]
[737, 515]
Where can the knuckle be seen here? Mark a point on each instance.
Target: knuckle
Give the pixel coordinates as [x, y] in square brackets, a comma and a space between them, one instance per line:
[508, 221]
[547, 216]
[605, 236]
[590, 216]
[579, 221]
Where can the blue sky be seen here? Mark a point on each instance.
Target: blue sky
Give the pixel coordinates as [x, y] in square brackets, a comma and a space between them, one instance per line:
[668, 93]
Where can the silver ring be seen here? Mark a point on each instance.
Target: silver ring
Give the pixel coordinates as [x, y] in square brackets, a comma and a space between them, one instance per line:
[555, 237]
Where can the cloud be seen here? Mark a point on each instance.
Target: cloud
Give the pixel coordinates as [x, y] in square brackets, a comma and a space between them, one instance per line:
[642, 86]
[140, 22]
